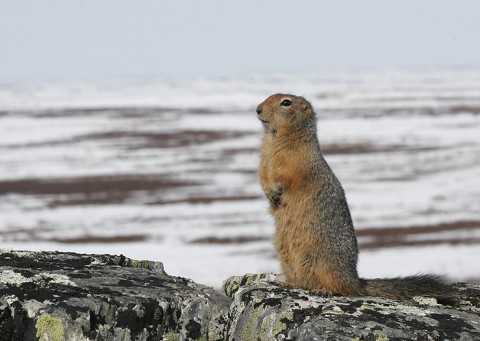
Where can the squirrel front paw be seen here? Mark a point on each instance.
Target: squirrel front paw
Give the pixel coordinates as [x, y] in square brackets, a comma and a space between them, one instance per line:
[275, 195]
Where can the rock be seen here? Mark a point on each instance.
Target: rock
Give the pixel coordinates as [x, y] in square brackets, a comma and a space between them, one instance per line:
[262, 310]
[67, 296]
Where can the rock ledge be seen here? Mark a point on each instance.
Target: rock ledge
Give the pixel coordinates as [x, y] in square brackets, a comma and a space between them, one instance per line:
[66, 296]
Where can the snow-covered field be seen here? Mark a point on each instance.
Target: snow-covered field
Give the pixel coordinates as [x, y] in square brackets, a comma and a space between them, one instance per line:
[166, 170]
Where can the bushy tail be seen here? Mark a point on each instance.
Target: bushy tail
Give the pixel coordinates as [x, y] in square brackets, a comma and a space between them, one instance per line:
[408, 287]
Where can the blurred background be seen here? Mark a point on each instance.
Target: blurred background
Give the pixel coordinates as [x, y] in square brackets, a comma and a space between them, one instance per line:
[129, 128]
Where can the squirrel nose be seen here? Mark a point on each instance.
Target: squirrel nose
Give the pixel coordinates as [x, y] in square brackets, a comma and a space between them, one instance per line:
[259, 110]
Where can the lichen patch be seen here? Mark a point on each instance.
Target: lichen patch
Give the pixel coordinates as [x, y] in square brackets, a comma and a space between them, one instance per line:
[49, 328]
[11, 277]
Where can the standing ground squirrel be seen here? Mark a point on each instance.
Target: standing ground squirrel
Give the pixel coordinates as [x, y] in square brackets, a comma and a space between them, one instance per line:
[314, 233]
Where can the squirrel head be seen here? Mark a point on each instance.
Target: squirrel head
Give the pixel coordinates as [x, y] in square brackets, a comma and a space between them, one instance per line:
[284, 114]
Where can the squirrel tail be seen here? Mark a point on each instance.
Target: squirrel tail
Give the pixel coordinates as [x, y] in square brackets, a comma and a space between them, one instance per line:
[408, 287]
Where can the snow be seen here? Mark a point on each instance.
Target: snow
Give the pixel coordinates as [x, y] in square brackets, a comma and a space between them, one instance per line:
[422, 169]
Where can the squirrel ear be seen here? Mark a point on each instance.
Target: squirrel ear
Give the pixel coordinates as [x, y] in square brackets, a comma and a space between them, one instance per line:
[305, 107]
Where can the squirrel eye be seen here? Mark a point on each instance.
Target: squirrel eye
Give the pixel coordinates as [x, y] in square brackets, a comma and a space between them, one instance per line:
[286, 103]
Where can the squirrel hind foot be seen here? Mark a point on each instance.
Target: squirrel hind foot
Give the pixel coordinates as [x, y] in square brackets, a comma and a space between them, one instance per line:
[283, 284]
[323, 293]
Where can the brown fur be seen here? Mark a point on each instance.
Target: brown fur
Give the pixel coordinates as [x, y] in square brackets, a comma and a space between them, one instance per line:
[314, 233]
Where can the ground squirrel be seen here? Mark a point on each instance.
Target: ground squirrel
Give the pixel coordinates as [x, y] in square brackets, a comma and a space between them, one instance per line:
[314, 233]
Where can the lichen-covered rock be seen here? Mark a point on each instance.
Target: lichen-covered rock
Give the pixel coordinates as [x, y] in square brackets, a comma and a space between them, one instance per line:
[263, 310]
[65, 296]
